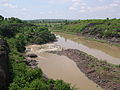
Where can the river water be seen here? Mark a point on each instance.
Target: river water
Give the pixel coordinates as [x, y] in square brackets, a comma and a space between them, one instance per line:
[99, 50]
[61, 67]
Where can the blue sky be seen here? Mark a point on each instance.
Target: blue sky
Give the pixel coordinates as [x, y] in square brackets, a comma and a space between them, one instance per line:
[61, 9]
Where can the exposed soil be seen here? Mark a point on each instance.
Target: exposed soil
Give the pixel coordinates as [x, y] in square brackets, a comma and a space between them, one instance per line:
[110, 39]
[96, 34]
[104, 74]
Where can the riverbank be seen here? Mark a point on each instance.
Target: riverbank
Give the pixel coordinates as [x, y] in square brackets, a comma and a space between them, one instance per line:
[108, 41]
[104, 74]
[102, 51]
[99, 30]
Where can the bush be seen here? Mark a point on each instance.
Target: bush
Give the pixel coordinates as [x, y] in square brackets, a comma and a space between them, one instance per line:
[38, 85]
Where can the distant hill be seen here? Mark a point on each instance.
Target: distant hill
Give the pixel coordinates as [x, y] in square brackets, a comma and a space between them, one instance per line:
[49, 20]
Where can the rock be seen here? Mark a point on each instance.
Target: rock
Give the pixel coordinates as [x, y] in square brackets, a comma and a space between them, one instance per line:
[90, 71]
[29, 62]
[28, 50]
[32, 55]
[114, 39]
[33, 63]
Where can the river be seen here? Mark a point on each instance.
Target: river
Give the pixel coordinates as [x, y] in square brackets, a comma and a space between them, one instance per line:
[99, 50]
[60, 67]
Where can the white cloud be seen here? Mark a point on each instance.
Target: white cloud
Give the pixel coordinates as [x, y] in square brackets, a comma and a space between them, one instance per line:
[79, 6]
[106, 7]
[116, 1]
[6, 3]
[9, 5]
[113, 5]
[59, 1]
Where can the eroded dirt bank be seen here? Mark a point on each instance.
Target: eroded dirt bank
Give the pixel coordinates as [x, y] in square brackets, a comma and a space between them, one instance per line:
[104, 74]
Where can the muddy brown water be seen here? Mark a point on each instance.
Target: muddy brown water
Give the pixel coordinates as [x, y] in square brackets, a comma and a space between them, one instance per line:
[62, 68]
[99, 50]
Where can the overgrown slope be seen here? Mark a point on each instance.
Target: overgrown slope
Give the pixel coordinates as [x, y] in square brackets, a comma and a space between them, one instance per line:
[108, 29]
[18, 34]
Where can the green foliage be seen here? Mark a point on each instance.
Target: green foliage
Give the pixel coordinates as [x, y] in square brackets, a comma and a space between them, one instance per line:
[32, 74]
[60, 85]
[1, 18]
[99, 28]
[14, 20]
[18, 34]
[38, 85]
[49, 21]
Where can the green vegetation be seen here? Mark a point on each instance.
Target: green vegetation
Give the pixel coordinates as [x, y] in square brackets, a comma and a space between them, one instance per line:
[18, 34]
[49, 21]
[108, 29]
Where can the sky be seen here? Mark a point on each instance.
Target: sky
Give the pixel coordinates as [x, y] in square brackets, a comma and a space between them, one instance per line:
[60, 9]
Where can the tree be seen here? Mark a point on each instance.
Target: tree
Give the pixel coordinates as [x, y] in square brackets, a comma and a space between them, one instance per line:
[1, 18]
[14, 20]
[107, 18]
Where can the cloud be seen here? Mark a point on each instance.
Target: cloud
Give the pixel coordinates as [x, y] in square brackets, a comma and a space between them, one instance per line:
[113, 5]
[100, 0]
[106, 7]
[116, 1]
[78, 5]
[9, 5]
[81, 6]
[59, 1]
[50, 12]
[6, 3]
[24, 9]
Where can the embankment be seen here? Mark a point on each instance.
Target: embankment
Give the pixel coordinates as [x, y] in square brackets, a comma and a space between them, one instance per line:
[100, 30]
[3, 64]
